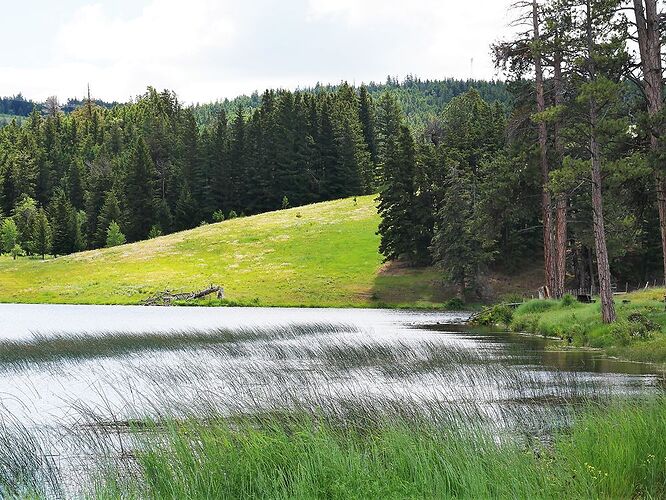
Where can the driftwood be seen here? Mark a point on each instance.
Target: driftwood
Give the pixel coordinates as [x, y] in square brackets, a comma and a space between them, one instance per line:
[166, 298]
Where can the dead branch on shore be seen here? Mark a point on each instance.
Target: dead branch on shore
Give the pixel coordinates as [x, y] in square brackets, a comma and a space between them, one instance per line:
[167, 298]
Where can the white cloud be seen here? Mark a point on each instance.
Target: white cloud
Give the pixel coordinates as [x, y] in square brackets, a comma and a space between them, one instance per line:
[206, 49]
[165, 31]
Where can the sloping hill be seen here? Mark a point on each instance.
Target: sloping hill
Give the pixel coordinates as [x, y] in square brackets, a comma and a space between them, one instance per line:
[317, 255]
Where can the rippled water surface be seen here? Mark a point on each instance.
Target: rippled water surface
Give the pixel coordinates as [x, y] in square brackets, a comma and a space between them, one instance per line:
[266, 358]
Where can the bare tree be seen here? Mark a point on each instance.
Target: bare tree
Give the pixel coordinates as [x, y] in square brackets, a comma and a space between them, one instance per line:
[52, 106]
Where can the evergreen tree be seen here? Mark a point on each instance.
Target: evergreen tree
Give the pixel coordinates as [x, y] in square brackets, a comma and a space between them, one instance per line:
[140, 191]
[367, 116]
[396, 200]
[40, 243]
[454, 246]
[186, 210]
[75, 184]
[114, 236]
[109, 212]
[24, 214]
[63, 223]
[219, 158]
[389, 120]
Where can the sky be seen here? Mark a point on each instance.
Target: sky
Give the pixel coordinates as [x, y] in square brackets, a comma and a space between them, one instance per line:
[211, 49]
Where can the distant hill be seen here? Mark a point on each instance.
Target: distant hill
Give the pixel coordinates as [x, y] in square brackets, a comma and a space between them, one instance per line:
[324, 254]
[421, 100]
[20, 107]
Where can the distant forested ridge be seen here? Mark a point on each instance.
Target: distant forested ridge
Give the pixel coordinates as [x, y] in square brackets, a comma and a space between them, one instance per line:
[422, 101]
[88, 174]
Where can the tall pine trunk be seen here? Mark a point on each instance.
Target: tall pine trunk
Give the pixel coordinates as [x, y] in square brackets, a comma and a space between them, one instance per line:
[546, 209]
[561, 203]
[661, 204]
[649, 44]
[603, 266]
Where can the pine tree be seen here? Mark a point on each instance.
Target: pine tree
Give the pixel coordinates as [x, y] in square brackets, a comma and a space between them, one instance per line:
[41, 234]
[114, 236]
[109, 212]
[63, 223]
[75, 184]
[367, 116]
[396, 200]
[193, 171]
[219, 159]
[140, 191]
[24, 214]
[454, 248]
[185, 215]
[235, 199]
[389, 120]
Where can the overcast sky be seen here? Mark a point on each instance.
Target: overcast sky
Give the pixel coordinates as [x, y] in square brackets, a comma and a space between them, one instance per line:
[210, 49]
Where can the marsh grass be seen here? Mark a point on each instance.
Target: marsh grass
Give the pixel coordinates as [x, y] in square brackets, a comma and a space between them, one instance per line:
[59, 347]
[616, 453]
[26, 469]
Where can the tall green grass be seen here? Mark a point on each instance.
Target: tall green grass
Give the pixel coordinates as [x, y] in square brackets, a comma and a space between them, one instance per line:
[616, 454]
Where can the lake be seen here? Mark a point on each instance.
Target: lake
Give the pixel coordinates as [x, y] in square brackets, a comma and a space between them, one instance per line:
[266, 358]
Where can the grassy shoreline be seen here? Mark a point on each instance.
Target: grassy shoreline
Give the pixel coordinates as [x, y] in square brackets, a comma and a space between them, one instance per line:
[639, 334]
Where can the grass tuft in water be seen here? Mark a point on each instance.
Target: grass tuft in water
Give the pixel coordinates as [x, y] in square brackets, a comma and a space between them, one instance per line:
[56, 347]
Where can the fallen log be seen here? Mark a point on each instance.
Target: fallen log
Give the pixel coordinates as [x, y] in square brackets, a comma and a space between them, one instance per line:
[166, 298]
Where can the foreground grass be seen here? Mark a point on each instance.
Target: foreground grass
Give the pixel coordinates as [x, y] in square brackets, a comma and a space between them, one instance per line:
[619, 453]
[317, 255]
[639, 334]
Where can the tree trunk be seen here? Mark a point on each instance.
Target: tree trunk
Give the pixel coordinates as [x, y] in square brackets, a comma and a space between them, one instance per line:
[560, 244]
[661, 204]
[603, 266]
[549, 274]
[590, 269]
[649, 44]
[562, 201]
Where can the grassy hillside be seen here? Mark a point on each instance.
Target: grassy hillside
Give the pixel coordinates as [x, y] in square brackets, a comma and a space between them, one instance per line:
[322, 254]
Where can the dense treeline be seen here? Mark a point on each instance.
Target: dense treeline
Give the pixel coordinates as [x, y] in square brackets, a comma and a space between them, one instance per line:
[98, 176]
[580, 159]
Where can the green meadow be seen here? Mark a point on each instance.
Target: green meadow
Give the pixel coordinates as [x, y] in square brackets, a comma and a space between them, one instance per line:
[323, 254]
